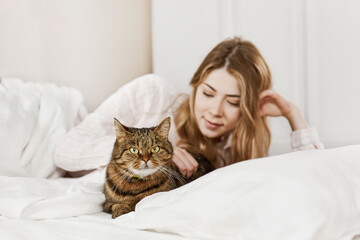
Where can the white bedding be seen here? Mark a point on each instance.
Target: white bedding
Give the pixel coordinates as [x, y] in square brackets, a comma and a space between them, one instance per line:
[301, 195]
[33, 117]
[310, 195]
[87, 227]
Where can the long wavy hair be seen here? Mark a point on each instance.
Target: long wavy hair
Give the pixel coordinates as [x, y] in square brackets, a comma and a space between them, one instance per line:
[251, 136]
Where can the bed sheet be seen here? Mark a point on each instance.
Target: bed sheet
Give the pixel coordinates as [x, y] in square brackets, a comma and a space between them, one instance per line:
[308, 195]
[33, 118]
[86, 227]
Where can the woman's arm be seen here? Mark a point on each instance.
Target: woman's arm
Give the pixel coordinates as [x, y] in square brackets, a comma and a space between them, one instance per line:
[273, 104]
[142, 102]
[89, 145]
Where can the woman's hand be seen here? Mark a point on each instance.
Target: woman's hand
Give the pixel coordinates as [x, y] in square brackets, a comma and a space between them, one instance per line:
[273, 104]
[185, 162]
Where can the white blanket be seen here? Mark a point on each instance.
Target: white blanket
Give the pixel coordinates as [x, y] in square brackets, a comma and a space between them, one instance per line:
[302, 195]
[36, 198]
[33, 117]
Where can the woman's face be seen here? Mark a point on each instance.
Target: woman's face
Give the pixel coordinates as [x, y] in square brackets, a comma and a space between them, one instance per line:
[217, 104]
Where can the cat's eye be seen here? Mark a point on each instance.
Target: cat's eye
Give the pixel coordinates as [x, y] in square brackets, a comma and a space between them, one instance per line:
[155, 149]
[134, 150]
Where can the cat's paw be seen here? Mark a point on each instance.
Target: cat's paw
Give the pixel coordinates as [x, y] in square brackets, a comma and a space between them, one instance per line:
[119, 209]
[118, 213]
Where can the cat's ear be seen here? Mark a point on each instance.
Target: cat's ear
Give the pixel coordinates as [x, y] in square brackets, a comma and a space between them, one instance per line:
[120, 130]
[163, 128]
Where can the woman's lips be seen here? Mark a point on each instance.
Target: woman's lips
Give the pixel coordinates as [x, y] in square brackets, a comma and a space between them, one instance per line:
[211, 125]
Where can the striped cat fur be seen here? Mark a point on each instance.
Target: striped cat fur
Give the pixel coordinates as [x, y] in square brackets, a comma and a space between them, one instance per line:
[141, 165]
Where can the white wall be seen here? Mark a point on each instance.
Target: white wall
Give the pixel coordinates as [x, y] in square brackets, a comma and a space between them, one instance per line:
[333, 49]
[93, 45]
[312, 48]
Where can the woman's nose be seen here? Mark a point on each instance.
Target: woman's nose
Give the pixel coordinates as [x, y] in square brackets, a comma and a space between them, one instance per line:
[216, 107]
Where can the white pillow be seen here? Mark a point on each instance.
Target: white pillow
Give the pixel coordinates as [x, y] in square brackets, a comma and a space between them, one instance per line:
[33, 117]
[301, 195]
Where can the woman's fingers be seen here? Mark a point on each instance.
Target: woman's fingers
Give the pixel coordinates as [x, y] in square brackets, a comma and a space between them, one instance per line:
[185, 162]
[273, 104]
[266, 93]
[270, 95]
[181, 164]
[194, 164]
[188, 164]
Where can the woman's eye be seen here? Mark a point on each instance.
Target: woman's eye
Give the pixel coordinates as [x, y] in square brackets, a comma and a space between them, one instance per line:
[236, 104]
[207, 94]
[155, 149]
[134, 150]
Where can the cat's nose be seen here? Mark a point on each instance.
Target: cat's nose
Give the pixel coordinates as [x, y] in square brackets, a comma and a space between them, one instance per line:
[145, 158]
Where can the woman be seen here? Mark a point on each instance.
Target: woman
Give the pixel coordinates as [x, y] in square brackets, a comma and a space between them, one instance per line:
[224, 119]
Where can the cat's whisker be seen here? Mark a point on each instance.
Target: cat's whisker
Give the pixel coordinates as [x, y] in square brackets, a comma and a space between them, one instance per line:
[124, 177]
[163, 170]
[121, 179]
[174, 174]
[114, 175]
[178, 176]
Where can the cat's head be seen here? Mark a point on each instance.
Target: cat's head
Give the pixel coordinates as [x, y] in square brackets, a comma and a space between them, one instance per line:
[143, 151]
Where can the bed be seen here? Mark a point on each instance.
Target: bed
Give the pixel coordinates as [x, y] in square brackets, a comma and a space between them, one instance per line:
[309, 195]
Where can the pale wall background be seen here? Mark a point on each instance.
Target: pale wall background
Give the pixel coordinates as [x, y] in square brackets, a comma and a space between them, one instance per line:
[92, 45]
[312, 48]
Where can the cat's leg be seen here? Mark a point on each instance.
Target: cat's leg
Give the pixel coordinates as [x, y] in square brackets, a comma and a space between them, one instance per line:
[107, 206]
[119, 209]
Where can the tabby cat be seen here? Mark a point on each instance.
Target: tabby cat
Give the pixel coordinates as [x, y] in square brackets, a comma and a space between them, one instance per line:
[141, 164]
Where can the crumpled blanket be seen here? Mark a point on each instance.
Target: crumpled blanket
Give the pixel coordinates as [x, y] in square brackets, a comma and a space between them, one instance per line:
[33, 117]
[301, 195]
[37, 198]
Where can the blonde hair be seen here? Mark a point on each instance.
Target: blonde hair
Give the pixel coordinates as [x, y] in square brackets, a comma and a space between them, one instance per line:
[251, 136]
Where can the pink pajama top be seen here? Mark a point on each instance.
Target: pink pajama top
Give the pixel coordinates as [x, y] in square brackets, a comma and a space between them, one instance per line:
[143, 102]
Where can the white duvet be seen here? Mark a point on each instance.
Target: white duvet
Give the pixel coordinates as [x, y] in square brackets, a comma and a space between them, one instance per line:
[301, 195]
[33, 117]
[310, 195]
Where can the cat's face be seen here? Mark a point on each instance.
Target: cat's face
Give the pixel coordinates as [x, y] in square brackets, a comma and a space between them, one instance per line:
[143, 151]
